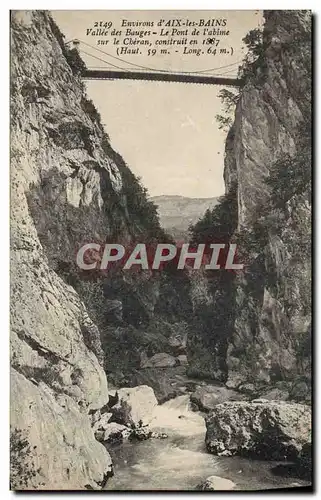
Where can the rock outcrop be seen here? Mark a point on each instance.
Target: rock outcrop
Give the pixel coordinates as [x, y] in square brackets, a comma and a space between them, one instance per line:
[112, 433]
[160, 360]
[216, 483]
[53, 424]
[254, 326]
[268, 159]
[207, 397]
[273, 430]
[182, 360]
[135, 406]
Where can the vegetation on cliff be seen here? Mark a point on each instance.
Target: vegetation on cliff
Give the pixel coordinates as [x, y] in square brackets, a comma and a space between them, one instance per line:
[23, 472]
[254, 59]
[269, 303]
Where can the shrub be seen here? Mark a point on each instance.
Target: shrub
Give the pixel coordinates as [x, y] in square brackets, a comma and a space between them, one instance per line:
[224, 122]
[22, 467]
[74, 60]
[219, 223]
[229, 100]
[290, 175]
[91, 110]
[254, 57]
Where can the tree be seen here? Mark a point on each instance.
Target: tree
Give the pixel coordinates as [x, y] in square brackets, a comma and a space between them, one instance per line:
[224, 122]
[290, 175]
[254, 42]
[217, 224]
[22, 467]
[254, 56]
[229, 99]
[75, 61]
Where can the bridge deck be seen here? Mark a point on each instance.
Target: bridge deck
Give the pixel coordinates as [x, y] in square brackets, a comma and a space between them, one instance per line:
[161, 77]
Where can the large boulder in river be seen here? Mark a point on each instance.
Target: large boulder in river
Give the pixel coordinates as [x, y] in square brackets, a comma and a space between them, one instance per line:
[135, 406]
[273, 430]
[112, 433]
[160, 360]
[216, 483]
[208, 396]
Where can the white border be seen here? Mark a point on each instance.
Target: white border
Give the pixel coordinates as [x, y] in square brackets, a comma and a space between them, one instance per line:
[4, 196]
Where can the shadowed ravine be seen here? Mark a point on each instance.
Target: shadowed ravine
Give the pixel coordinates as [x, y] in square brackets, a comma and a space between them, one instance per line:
[181, 462]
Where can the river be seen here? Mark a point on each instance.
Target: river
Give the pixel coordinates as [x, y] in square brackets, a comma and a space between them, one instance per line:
[181, 462]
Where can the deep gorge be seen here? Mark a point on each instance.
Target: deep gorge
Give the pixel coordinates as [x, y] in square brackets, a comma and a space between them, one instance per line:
[248, 332]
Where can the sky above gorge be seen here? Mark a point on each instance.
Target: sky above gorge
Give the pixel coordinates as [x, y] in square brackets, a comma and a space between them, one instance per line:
[166, 132]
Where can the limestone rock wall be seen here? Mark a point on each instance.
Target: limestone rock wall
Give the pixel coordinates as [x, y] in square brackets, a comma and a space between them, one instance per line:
[270, 339]
[60, 180]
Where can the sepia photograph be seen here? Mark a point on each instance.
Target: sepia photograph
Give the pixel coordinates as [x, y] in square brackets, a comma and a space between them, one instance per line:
[160, 248]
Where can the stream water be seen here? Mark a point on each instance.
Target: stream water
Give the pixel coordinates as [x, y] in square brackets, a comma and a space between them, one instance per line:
[181, 462]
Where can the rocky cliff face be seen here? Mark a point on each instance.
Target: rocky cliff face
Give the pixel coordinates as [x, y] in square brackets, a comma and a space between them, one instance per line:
[68, 187]
[56, 379]
[268, 157]
[253, 328]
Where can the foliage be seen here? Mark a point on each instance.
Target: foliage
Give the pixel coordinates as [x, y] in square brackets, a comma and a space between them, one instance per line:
[218, 223]
[229, 100]
[254, 57]
[290, 175]
[252, 60]
[137, 200]
[224, 122]
[90, 109]
[22, 467]
[254, 42]
[74, 60]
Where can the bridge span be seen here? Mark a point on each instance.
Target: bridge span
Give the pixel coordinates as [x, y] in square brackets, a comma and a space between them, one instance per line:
[108, 74]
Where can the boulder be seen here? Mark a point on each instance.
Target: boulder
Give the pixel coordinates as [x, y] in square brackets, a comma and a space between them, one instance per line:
[114, 309]
[273, 430]
[275, 394]
[216, 483]
[158, 435]
[177, 344]
[94, 416]
[207, 397]
[102, 423]
[160, 360]
[248, 388]
[182, 360]
[135, 406]
[112, 433]
[140, 433]
[301, 392]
